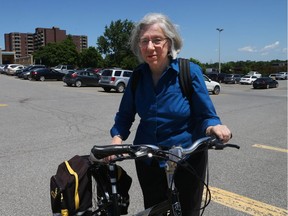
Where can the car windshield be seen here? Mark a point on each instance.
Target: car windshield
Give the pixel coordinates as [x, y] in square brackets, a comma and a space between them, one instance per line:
[246, 76]
[229, 75]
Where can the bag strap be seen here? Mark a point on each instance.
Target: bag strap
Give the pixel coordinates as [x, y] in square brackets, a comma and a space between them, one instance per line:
[185, 78]
[76, 195]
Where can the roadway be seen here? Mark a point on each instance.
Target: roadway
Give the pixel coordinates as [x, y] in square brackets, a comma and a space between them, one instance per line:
[45, 123]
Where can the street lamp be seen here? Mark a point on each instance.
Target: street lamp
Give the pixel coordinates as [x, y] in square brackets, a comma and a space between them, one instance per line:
[219, 30]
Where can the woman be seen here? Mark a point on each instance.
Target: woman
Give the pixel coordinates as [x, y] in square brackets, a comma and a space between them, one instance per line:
[166, 118]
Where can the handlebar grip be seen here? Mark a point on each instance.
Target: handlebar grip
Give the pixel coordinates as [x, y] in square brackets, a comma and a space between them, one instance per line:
[101, 152]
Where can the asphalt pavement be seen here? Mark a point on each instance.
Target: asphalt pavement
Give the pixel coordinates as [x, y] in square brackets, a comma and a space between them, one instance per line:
[45, 123]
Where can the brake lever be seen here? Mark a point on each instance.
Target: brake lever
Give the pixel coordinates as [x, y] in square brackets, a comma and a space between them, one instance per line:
[221, 146]
[216, 144]
[232, 145]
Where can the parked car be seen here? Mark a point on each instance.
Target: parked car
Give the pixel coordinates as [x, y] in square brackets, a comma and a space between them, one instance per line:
[212, 86]
[24, 73]
[12, 68]
[265, 82]
[114, 78]
[247, 79]
[64, 68]
[45, 74]
[281, 76]
[273, 75]
[81, 78]
[2, 68]
[232, 78]
[255, 73]
[218, 77]
[94, 70]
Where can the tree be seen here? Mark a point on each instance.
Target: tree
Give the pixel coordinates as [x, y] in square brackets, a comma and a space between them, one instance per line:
[199, 63]
[90, 58]
[114, 45]
[52, 54]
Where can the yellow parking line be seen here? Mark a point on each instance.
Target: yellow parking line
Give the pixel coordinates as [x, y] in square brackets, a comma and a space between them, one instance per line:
[3, 105]
[270, 148]
[244, 204]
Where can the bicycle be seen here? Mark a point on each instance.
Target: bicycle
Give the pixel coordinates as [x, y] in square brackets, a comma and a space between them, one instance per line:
[110, 205]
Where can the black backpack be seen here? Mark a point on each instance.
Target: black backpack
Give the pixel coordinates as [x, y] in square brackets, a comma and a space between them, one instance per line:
[184, 78]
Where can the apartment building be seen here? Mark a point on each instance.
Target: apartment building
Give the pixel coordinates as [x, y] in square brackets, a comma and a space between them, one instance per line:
[20, 43]
[24, 44]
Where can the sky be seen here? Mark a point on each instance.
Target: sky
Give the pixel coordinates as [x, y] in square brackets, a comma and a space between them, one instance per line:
[253, 30]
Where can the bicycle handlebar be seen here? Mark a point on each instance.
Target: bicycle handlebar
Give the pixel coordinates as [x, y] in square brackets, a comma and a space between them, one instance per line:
[137, 151]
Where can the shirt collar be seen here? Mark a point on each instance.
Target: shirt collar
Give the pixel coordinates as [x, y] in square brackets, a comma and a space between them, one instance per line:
[173, 65]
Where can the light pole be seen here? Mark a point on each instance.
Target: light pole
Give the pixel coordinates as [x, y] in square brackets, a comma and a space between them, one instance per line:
[219, 30]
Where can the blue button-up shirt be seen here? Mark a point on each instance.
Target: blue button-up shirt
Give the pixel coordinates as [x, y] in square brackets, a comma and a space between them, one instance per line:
[166, 117]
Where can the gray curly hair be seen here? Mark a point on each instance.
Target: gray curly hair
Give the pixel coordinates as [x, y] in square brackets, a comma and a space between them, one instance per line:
[169, 29]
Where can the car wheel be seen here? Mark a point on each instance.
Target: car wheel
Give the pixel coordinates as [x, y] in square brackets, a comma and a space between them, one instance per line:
[106, 89]
[78, 83]
[216, 90]
[120, 88]
[42, 78]
[267, 86]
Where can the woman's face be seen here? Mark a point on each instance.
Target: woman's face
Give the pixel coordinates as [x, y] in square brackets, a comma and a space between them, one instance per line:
[154, 45]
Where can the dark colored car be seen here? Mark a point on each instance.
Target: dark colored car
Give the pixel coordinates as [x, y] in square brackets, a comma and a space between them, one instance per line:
[81, 78]
[94, 70]
[265, 82]
[218, 77]
[45, 74]
[24, 74]
[232, 78]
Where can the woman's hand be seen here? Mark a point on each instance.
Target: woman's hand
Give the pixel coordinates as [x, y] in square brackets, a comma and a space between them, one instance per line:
[115, 140]
[221, 131]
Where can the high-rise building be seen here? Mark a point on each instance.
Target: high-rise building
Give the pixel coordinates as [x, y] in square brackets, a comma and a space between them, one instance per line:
[24, 44]
[20, 43]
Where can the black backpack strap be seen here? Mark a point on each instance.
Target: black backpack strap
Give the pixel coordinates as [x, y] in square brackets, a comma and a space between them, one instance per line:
[134, 80]
[185, 78]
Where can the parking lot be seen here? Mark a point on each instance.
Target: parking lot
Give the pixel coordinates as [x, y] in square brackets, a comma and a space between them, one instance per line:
[45, 123]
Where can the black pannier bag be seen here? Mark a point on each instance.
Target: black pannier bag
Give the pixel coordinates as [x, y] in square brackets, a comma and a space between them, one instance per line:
[71, 186]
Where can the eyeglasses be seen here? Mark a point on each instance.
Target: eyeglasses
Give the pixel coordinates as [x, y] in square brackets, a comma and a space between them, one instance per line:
[157, 42]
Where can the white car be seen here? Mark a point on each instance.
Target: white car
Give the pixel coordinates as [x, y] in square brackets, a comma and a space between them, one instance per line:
[211, 85]
[248, 79]
[255, 73]
[12, 68]
[114, 78]
[273, 75]
[281, 75]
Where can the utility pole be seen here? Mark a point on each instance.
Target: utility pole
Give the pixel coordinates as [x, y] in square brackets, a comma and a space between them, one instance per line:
[219, 30]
